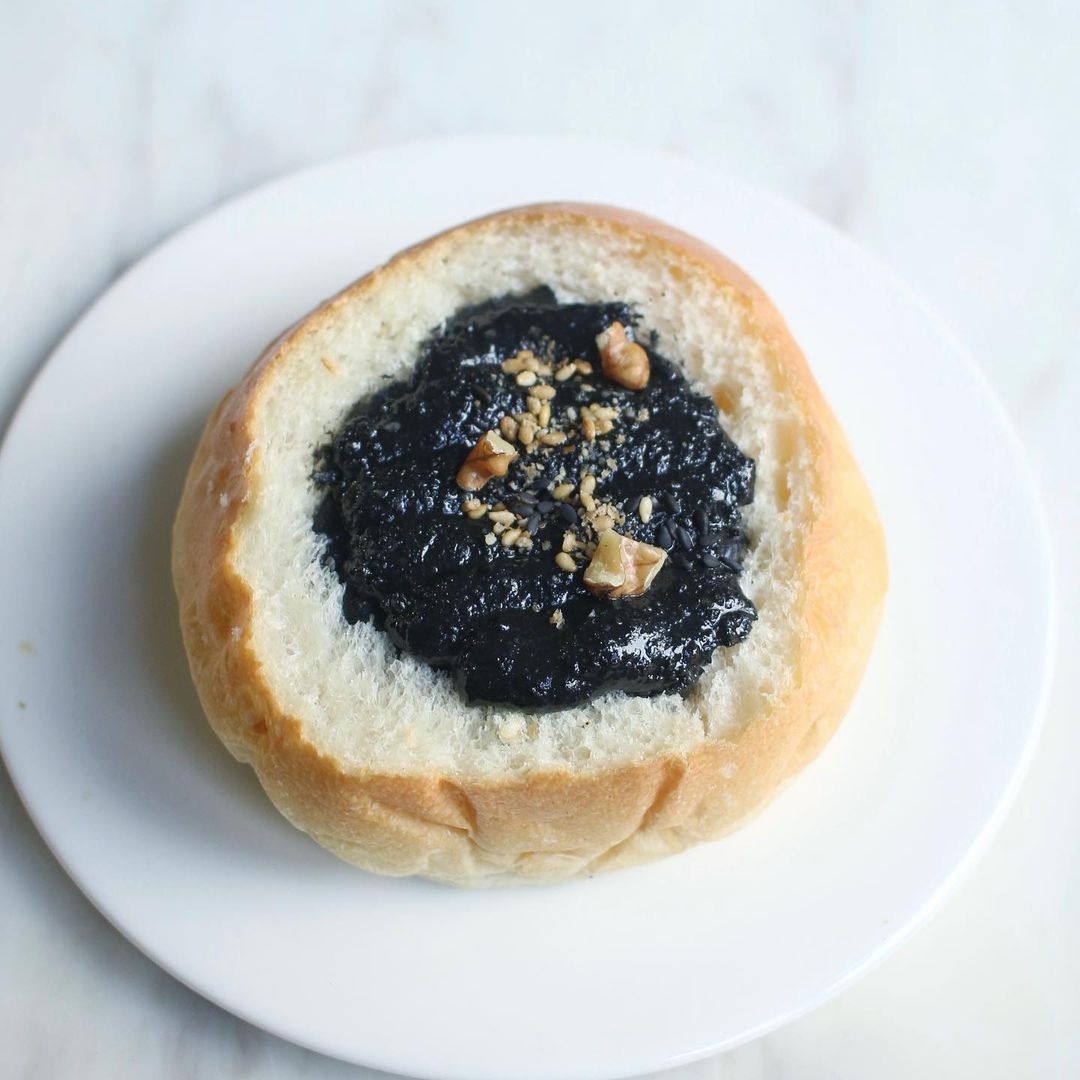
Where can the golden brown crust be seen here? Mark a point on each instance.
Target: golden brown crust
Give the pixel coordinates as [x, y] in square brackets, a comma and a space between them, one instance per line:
[554, 824]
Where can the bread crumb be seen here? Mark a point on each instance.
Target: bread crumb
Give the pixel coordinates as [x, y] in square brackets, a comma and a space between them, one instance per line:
[556, 618]
[512, 730]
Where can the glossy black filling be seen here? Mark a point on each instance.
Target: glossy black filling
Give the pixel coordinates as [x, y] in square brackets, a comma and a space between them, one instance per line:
[510, 625]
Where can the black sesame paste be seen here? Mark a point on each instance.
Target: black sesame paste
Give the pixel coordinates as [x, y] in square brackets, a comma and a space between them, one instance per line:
[488, 584]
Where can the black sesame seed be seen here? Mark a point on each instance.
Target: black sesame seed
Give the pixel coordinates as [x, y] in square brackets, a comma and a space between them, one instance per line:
[733, 550]
[708, 539]
[482, 394]
[528, 498]
[731, 564]
[635, 504]
[709, 559]
[545, 506]
[682, 561]
[663, 538]
[672, 503]
[532, 524]
[701, 520]
[568, 513]
[686, 540]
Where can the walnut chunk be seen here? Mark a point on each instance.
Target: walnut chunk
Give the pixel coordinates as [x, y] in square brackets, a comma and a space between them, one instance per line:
[491, 456]
[623, 360]
[621, 566]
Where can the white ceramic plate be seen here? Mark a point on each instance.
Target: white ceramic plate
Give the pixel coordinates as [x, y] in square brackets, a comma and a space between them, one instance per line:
[622, 974]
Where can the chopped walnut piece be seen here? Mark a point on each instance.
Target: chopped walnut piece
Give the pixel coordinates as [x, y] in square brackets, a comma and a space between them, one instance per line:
[624, 361]
[491, 456]
[527, 430]
[621, 566]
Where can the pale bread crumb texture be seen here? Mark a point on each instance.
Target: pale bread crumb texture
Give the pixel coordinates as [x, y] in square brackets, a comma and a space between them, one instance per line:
[371, 709]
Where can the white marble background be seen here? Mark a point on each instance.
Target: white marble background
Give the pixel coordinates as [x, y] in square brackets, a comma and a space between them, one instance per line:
[943, 136]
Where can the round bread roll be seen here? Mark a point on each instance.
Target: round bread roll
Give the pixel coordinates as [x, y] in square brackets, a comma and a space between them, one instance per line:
[374, 753]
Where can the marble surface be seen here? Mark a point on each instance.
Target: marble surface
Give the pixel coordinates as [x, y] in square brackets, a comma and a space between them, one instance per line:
[941, 136]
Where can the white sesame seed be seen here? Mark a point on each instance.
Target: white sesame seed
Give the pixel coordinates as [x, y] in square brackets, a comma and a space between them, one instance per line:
[565, 562]
[644, 509]
[525, 378]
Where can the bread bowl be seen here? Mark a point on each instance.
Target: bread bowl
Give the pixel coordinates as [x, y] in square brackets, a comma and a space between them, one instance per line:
[376, 753]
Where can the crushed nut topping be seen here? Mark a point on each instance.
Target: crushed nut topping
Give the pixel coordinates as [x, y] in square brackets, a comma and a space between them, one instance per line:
[491, 456]
[624, 361]
[621, 566]
[526, 430]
